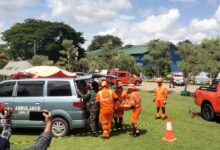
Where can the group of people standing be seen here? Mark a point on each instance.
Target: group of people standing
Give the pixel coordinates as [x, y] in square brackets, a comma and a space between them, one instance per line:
[104, 106]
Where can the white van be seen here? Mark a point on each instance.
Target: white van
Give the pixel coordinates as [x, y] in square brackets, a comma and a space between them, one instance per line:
[178, 78]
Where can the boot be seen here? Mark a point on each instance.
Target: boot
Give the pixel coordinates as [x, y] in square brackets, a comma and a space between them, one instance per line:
[95, 134]
[137, 132]
[134, 132]
[116, 123]
[157, 116]
[120, 123]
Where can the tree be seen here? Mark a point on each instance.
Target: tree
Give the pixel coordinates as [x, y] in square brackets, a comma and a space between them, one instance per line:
[41, 60]
[158, 56]
[43, 36]
[90, 64]
[211, 51]
[68, 57]
[190, 59]
[99, 41]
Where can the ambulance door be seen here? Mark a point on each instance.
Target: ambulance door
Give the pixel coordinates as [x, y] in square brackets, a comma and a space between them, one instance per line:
[29, 97]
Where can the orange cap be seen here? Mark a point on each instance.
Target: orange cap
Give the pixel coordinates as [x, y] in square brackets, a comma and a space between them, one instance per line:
[159, 79]
[104, 83]
[119, 84]
[131, 86]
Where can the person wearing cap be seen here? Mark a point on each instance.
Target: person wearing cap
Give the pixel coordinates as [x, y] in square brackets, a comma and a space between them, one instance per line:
[135, 99]
[118, 114]
[106, 99]
[160, 96]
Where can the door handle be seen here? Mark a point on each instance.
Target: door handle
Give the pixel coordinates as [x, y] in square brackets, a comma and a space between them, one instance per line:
[37, 103]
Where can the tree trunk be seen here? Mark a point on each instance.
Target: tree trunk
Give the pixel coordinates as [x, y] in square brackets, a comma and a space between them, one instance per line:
[187, 82]
[68, 61]
[210, 79]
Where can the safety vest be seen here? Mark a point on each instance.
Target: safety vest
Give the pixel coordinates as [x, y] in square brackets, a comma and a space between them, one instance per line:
[106, 99]
[160, 93]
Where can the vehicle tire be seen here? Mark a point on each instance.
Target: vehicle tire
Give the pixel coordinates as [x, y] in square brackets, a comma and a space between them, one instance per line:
[137, 83]
[59, 127]
[207, 112]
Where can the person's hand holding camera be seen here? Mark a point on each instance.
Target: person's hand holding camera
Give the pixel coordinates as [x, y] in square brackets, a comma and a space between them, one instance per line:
[48, 121]
[6, 114]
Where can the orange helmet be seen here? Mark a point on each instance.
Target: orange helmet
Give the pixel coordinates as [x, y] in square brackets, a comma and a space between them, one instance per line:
[131, 86]
[104, 84]
[159, 79]
[119, 84]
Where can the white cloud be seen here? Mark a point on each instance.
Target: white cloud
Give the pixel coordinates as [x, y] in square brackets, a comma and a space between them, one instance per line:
[205, 24]
[155, 26]
[217, 13]
[166, 26]
[13, 10]
[158, 23]
[88, 12]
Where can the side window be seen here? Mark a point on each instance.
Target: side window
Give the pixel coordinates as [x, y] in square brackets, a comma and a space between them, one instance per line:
[6, 89]
[213, 86]
[30, 88]
[121, 74]
[58, 88]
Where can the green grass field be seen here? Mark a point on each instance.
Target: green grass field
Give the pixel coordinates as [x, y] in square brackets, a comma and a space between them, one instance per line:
[191, 134]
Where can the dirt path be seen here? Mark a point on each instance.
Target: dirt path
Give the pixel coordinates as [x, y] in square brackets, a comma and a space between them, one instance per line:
[149, 86]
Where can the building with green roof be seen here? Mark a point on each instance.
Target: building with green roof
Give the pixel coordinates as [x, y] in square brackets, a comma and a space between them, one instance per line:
[137, 51]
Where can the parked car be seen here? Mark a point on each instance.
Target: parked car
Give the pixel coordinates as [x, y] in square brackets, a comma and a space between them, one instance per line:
[124, 76]
[58, 95]
[178, 78]
[209, 100]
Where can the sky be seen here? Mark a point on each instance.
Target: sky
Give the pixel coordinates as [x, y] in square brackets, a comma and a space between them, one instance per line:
[134, 21]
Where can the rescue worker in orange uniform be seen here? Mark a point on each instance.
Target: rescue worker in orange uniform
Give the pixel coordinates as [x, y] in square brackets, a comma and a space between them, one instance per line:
[135, 99]
[160, 97]
[105, 99]
[122, 95]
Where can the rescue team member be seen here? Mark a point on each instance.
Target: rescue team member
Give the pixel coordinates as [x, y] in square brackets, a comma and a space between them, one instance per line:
[105, 99]
[122, 95]
[160, 96]
[92, 107]
[135, 99]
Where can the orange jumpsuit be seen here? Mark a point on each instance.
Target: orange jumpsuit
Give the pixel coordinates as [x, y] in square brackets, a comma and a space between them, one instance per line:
[122, 95]
[105, 96]
[135, 99]
[160, 95]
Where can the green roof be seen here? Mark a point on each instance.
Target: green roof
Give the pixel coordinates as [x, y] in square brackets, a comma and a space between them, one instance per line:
[136, 49]
[130, 49]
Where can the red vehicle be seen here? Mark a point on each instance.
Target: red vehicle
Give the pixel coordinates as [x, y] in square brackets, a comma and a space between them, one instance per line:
[209, 100]
[124, 76]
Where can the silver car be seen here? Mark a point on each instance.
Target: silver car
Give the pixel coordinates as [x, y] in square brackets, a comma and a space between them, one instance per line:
[58, 95]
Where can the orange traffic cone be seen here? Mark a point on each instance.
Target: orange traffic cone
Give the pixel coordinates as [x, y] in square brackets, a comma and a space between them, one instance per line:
[169, 135]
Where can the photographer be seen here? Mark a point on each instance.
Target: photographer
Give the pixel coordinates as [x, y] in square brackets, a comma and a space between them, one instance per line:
[43, 140]
[6, 126]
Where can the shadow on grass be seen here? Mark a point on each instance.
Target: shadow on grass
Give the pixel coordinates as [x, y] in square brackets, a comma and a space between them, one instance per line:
[80, 132]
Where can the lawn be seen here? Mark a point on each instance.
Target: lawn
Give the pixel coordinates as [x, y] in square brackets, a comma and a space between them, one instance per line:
[191, 134]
